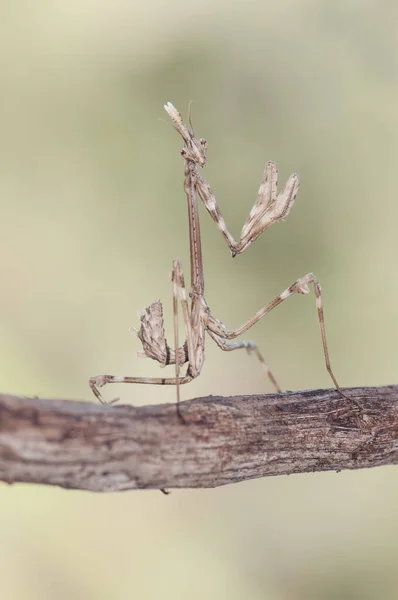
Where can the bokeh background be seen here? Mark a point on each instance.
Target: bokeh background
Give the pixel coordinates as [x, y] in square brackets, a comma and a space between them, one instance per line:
[92, 215]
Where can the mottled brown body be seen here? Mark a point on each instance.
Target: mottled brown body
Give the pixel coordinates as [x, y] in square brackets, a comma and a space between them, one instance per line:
[269, 208]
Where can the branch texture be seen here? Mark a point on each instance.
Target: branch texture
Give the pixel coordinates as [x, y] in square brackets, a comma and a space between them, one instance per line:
[217, 441]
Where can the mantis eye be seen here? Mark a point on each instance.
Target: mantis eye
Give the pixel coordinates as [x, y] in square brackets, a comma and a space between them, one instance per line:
[203, 142]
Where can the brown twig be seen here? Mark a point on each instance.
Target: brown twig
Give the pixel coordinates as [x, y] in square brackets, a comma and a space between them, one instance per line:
[221, 440]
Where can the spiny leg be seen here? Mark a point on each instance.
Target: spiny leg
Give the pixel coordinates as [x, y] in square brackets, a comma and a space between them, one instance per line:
[269, 207]
[298, 287]
[250, 347]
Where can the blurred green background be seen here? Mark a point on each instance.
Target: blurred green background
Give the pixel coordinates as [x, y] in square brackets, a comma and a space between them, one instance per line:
[92, 215]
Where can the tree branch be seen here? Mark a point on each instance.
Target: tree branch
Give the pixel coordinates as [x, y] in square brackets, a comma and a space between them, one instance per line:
[218, 440]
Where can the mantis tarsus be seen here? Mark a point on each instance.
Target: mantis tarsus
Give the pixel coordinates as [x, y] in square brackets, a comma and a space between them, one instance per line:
[269, 208]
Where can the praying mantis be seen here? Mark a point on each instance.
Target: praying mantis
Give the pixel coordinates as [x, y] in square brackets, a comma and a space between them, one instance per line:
[270, 207]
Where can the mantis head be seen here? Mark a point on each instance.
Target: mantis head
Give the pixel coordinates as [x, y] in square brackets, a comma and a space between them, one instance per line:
[194, 149]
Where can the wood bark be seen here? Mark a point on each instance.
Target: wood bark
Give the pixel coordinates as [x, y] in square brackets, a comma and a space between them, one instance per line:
[214, 441]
